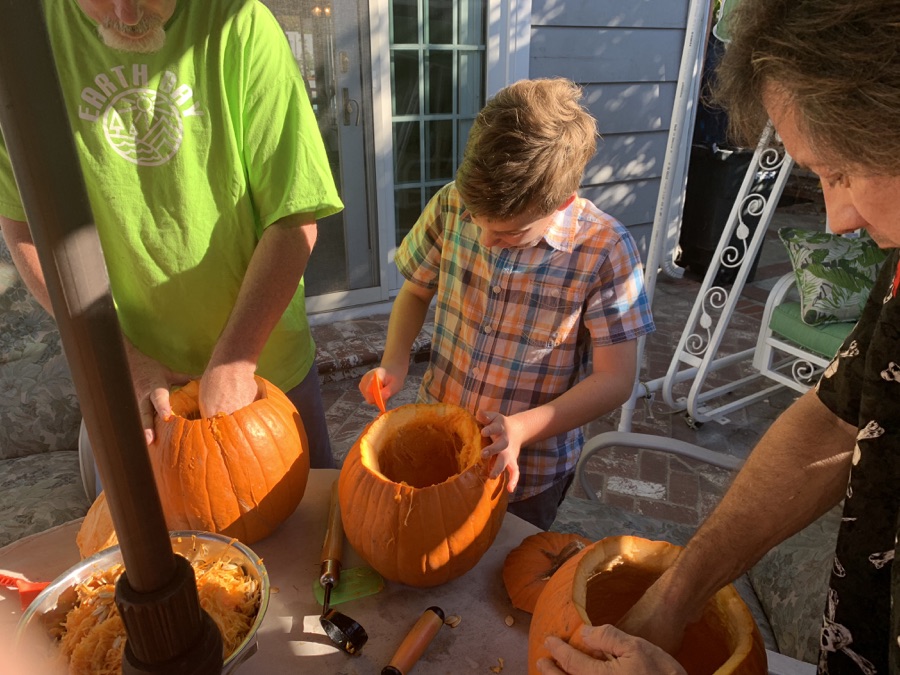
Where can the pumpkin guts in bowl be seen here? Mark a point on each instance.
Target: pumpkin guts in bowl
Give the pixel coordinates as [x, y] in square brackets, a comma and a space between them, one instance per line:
[79, 615]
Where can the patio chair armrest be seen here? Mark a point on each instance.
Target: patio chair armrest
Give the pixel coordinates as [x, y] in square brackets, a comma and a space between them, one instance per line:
[647, 442]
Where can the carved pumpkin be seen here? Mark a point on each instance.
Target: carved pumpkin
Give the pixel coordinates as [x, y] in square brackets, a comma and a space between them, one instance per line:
[529, 566]
[240, 475]
[601, 583]
[416, 500]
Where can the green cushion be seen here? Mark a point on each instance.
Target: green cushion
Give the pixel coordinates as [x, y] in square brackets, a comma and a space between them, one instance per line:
[823, 340]
[834, 273]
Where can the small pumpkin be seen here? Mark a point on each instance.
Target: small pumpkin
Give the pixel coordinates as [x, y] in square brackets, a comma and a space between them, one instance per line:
[529, 566]
[240, 475]
[416, 500]
[600, 584]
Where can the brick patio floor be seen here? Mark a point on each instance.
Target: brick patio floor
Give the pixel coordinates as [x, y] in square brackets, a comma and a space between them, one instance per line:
[642, 481]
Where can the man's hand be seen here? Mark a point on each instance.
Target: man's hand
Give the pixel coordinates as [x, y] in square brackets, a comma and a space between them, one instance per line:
[152, 382]
[226, 388]
[506, 437]
[611, 652]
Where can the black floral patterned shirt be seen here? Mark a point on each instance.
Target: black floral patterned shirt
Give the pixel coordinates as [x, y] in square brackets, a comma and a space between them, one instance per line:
[862, 387]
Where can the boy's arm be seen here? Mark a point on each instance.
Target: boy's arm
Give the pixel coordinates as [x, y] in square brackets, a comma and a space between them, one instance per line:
[407, 318]
[607, 387]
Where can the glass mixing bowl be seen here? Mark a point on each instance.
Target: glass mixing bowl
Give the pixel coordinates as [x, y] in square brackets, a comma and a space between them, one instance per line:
[192, 545]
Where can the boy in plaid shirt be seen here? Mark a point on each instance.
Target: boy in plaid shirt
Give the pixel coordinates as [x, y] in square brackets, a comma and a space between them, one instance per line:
[540, 296]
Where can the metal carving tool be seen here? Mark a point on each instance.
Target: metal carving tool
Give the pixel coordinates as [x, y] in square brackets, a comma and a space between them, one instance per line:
[340, 628]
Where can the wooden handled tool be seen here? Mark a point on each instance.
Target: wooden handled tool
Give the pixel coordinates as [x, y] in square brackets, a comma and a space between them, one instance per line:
[416, 642]
[332, 548]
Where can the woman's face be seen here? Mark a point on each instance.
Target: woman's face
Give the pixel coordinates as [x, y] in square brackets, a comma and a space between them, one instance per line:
[854, 198]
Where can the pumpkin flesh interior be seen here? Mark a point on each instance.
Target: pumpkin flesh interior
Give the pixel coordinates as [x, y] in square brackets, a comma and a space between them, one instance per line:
[420, 450]
[421, 455]
[617, 585]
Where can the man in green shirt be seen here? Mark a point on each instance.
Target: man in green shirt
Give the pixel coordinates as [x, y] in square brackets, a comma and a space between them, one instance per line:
[206, 173]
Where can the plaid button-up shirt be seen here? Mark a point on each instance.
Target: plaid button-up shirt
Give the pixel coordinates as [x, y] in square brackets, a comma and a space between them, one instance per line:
[514, 327]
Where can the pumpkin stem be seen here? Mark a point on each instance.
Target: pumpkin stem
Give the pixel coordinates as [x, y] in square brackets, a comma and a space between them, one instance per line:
[557, 560]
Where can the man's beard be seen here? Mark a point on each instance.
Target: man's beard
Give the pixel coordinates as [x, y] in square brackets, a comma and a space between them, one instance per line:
[150, 29]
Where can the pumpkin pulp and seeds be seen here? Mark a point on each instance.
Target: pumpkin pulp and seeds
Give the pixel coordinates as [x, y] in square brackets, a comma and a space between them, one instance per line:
[89, 632]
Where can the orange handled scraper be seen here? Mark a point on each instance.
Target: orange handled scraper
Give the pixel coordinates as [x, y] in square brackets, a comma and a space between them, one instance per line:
[416, 642]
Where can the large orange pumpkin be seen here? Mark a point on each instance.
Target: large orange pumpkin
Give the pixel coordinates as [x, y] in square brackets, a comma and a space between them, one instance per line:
[416, 500]
[601, 583]
[529, 566]
[240, 475]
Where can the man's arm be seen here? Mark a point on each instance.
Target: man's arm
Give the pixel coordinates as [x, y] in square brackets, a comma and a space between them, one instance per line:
[270, 282]
[798, 470]
[25, 257]
[607, 387]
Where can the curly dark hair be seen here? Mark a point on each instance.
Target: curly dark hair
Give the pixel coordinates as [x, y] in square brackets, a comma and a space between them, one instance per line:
[527, 150]
[837, 62]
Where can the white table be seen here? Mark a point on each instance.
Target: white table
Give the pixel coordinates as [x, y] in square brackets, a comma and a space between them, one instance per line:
[291, 639]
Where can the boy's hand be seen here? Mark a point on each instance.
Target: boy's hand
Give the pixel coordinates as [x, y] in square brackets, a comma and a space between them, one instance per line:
[506, 445]
[391, 383]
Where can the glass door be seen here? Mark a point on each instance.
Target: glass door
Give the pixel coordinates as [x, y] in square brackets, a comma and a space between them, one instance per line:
[437, 77]
[329, 40]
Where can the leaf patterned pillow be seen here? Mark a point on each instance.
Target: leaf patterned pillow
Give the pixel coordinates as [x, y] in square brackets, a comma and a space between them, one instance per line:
[834, 273]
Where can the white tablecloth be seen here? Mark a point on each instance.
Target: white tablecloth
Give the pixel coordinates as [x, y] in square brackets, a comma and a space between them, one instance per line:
[291, 639]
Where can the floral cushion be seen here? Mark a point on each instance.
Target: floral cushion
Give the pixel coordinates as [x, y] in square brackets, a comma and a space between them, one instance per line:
[38, 408]
[791, 582]
[834, 273]
[39, 492]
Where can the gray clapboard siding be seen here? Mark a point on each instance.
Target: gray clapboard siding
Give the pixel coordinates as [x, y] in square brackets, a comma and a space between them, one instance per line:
[606, 54]
[631, 203]
[627, 157]
[626, 55]
[630, 108]
[630, 13]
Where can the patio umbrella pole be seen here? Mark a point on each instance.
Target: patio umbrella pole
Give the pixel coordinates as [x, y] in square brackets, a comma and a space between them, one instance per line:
[167, 630]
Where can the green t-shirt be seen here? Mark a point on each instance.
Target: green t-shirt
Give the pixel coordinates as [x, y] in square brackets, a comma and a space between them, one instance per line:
[188, 154]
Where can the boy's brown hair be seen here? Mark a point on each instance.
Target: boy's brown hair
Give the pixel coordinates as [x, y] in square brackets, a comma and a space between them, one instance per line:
[527, 150]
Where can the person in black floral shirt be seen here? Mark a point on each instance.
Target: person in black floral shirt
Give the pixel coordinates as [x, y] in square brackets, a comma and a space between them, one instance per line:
[827, 74]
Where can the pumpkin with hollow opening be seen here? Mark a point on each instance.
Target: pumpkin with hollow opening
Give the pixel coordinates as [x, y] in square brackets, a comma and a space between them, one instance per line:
[416, 500]
[598, 585]
[240, 475]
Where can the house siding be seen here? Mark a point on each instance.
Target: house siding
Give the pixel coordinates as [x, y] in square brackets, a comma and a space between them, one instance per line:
[626, 56]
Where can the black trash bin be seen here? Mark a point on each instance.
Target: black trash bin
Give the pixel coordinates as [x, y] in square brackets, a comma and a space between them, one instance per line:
[715, 176]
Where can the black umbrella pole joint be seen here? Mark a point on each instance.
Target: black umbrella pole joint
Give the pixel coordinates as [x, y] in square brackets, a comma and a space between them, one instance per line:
[167, 630]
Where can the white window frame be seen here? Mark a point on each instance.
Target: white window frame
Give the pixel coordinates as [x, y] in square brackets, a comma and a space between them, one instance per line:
[507, 60]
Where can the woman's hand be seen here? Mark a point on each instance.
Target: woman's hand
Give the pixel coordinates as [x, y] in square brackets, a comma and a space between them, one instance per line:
[612, 652]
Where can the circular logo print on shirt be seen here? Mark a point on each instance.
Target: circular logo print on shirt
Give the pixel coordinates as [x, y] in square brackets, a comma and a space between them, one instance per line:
[144, 126]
